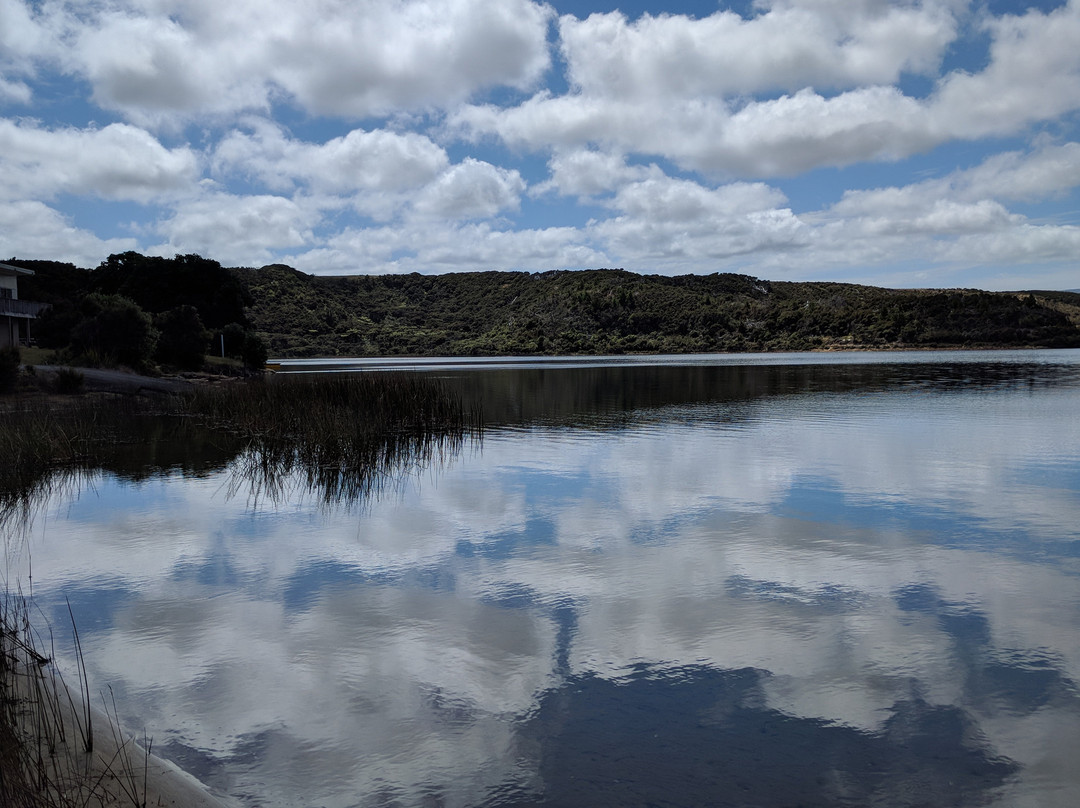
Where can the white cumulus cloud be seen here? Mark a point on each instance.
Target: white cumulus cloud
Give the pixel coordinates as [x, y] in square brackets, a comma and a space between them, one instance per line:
[669, 224]
[413, 135]
[237, 229]
[118, 161]
[471, 189]
[31, 229]
[420, 247]
[682, 107]
[789, 47]
[155, 61]
[1033, 75]
[376, 171]
[589, 172]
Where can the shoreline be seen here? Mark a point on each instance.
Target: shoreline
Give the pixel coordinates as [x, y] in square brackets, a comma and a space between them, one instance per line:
[59, 751]
[319, 364]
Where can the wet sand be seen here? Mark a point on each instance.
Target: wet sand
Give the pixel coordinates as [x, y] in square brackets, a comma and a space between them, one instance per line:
[112, 771]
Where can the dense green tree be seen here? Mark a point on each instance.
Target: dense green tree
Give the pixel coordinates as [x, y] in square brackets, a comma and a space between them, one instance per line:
[10, 362]
[581, 311]
[182, 339]
[254, 353]
[232, 336]
[54, 326]
[159, 284]
[113, 329]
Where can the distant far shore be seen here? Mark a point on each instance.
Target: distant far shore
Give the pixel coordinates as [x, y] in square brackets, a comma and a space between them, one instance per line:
[331, 363]
[279, 312]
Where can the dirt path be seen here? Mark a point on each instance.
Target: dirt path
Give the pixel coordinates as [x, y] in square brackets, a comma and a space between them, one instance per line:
[120, 381]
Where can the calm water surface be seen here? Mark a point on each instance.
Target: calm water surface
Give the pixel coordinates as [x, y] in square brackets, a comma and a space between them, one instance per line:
[749, 581]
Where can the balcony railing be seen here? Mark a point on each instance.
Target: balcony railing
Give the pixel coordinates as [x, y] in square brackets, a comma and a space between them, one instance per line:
[21, 308]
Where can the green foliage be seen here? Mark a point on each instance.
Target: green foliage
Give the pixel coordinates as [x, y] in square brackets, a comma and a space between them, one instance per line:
[612, 311]
[113, 329]
[159, 284]
[559, 312]
[53, 328]
[233, 335]
[182, 340]
[10, 362]
[69, 381]
[254, 351]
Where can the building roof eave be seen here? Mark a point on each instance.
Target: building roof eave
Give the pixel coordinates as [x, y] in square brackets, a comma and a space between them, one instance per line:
[8, 269]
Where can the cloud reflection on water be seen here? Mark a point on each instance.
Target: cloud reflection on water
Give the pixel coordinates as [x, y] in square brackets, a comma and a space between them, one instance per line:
[880, 581]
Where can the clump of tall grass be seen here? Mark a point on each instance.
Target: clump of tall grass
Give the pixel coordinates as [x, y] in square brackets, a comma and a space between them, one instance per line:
[341, 437]
[45, 445]
[29, 713]
[69, 381]
[320, 407]
[48, 757]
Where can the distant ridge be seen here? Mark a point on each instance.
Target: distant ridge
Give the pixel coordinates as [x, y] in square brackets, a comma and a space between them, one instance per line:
[589, 311]
[612, 311]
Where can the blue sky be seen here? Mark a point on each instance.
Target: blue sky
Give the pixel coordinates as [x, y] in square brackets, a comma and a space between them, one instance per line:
[902, 144]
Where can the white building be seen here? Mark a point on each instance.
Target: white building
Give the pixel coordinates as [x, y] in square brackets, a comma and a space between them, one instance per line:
[15, 314]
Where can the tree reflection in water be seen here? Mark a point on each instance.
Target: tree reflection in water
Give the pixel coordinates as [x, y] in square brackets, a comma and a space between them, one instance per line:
[698, 735]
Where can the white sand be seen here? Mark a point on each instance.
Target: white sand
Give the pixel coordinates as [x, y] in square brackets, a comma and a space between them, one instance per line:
[115, 773]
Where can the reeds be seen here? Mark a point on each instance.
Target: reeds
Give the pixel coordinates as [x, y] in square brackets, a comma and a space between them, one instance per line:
[48, 757]
[49, 445]
[321, 408]
[340, 437]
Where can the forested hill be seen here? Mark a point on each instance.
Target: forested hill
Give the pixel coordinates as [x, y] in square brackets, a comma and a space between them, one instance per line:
[602, 311]
[613, 311]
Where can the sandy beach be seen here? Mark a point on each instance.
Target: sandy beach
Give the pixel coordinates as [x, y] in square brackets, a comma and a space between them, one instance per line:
[72, 756]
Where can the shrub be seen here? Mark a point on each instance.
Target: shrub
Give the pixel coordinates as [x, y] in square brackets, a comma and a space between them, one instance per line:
[69, 381]
[54, 327]
[233, 336]
[114, 326]
[182, 339]
[10, 361]
[254, 354]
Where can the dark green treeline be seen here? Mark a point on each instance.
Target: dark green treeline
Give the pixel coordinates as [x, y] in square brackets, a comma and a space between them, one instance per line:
[613, 311]
[565, 312]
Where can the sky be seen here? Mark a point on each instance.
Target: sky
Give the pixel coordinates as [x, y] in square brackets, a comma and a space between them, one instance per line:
[901, 144]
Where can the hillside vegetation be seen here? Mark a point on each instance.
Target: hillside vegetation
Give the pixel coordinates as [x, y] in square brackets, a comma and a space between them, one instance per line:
[613, 311]
[604, 311]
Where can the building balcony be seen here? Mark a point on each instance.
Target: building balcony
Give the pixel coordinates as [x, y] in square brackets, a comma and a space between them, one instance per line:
[21, 308]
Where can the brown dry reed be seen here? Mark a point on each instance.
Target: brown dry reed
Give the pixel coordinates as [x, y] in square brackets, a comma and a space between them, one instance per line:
[48, 756]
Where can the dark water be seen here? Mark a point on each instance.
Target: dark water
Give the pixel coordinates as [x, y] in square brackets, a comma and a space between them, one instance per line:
[750, 581]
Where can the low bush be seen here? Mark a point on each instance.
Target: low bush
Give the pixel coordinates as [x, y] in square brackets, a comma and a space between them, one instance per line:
[69, 381]
[10, 362]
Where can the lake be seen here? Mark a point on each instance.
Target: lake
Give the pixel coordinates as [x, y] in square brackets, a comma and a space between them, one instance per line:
[802, 579]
